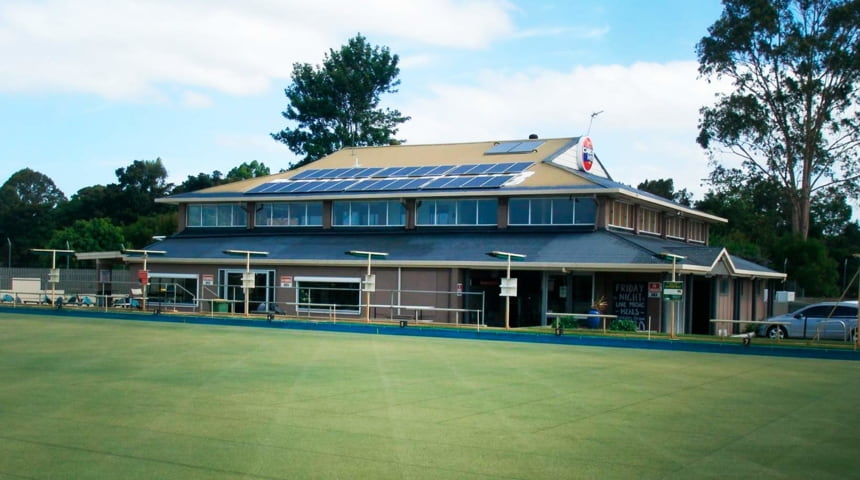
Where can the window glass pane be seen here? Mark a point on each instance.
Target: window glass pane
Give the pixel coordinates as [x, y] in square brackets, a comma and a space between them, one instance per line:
[817, 311]
[487, 210]
[345, 296]
[467, 212]
[314, 214]
[281, 214]
[562, 211]
[585, 211]
[340, 213]
[239, 218]
[294, 214]
[263, 215]
[426, 212]
[165, 289]
[194, 217]
[210, 216]
[396, 213]
[359, 213]
[843, 311]
[541, 211]
[446, 212]
[225, 215]
[377, 213]
[518, 211]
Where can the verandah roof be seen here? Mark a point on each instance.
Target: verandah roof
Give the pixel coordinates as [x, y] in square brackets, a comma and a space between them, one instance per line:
[585, 251]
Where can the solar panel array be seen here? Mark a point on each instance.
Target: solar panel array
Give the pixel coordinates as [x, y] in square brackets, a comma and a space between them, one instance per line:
[514, 147]
[360, 179]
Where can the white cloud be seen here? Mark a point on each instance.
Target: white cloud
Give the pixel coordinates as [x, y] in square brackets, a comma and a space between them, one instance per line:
[574, 32]
[125, 49]
[195, 100]
[647, 129]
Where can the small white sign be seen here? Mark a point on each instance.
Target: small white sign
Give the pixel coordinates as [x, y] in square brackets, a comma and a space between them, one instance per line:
[509, 287]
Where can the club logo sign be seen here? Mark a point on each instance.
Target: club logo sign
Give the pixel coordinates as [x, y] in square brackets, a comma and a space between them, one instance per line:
[585, 153]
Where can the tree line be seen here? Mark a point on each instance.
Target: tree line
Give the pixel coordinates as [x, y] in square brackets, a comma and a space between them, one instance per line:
[35, 213]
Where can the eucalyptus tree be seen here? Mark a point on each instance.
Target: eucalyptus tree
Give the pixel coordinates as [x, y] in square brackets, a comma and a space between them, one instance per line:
[792, 114]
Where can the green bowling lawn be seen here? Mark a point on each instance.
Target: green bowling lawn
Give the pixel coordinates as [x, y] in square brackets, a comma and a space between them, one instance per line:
[116, 399]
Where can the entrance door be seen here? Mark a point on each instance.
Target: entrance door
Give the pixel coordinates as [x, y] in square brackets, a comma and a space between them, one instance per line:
[702, 305]
[230, 283]
[526, 306]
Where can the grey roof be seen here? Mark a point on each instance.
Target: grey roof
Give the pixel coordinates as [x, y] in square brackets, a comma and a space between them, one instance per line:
[597, 250]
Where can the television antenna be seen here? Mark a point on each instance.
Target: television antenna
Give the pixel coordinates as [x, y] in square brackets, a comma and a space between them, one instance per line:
[594, 114]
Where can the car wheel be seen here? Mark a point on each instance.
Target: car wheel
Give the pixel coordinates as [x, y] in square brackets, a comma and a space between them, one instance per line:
[775, 332]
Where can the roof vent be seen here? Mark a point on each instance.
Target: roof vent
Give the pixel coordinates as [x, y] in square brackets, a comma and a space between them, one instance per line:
[533, 136]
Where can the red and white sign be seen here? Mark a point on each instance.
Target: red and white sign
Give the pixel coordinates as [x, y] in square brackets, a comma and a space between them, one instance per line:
[208, 279]
[459, 289]
[286, 281]
[654, 289]
[585, 153]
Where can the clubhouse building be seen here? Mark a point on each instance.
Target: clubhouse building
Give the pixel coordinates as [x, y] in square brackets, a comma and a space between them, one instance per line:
[498, 232]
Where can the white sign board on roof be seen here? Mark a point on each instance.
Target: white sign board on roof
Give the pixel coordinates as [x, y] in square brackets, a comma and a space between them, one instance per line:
[580, 156]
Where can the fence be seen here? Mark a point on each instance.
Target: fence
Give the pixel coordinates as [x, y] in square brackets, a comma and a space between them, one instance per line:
[119, 288]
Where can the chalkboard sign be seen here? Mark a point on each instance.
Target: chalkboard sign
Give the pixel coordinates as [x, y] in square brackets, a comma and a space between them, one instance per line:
[631, 302]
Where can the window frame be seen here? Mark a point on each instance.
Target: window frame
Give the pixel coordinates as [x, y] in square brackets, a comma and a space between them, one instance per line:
[308, 300]
[456, 212]
[302, 213]
[546, 208]
[214, 212]
[365, 218]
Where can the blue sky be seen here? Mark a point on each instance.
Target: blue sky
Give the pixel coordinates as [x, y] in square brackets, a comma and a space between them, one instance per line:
[89, 86]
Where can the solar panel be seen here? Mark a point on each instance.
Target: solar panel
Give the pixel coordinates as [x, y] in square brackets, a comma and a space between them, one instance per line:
[498, 181]
[479, 175]
[397, 184]
[519, 167]
[422, 171]
[514, 147]
[406, 172]
[482, 169]
[436, 183]
[457, 182]
[263, 188]
[502, 147]
[302, 175]
[462, 169]
[358, 185]
[335, 186]
[288, 187]
[367, 172]
[476, 182]
[322, 173]
[499, 168]
[345, 172]
[302, 187]
[440, 170]
[386, 172]
[526, 147]
[415, 184]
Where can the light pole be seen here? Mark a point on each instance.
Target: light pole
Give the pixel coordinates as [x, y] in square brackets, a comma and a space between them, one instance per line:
[509, 285]
[676, 294]
[369, 280]
[54, 275]
[247, 277]
[9, 241]
[143, 275]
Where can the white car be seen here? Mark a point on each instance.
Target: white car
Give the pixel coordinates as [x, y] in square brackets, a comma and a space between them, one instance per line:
[832, 320]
